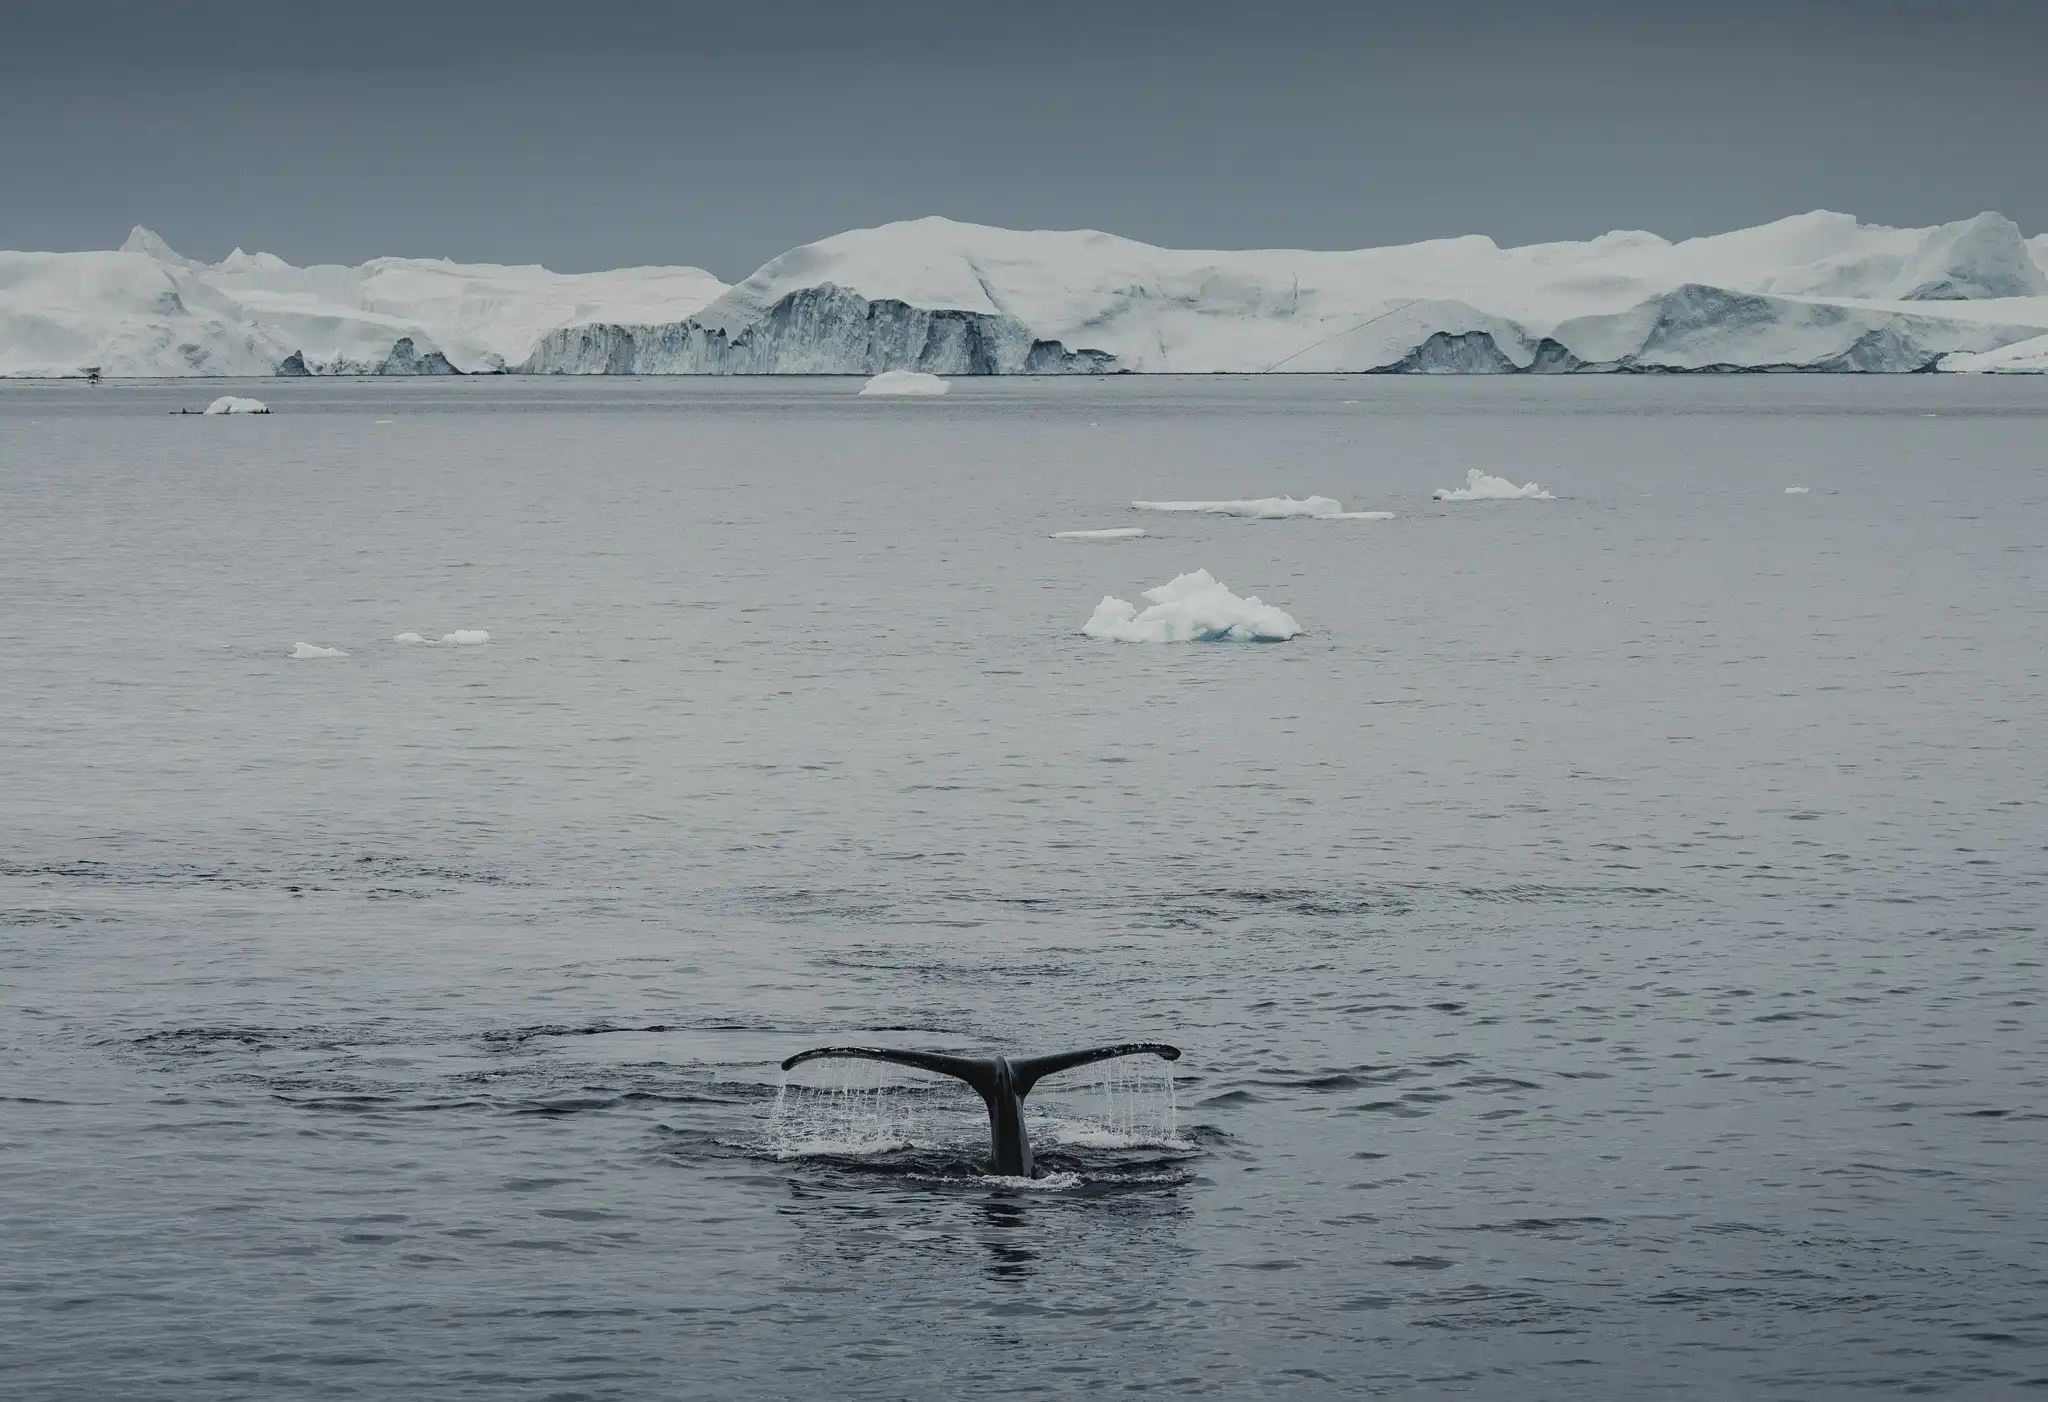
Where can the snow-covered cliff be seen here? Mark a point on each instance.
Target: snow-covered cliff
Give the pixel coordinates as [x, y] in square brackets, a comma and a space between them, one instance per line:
[1818, 291]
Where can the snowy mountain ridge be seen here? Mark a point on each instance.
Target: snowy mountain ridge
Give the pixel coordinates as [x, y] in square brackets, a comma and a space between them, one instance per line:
[1817, 291]
[146, 310]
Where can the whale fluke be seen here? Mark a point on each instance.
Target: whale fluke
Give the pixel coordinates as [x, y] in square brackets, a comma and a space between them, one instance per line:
[1001, 1083]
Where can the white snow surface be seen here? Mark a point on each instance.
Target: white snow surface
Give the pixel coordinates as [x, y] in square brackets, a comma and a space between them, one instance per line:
[2028, 357]
[146, 310]
[1482, 486]
[230, 404]
[308, 650]
[1112, 533]
[909, 383]
[1190, 608]
[1818, 290]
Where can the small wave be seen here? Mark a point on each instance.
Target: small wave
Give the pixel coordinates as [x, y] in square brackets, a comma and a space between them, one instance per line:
[1088, 1136]
[207, 1040]
[1050, 1183]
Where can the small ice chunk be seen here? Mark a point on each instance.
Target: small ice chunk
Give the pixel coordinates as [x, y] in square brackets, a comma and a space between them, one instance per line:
[1257, 509]
[229, 404]
[303, 650]
[908, 382]
[407, 638]
[1270, 509]
[1113, 533]
[1190, 608]
[1480, 486]
[466, 637]
[1797, 491]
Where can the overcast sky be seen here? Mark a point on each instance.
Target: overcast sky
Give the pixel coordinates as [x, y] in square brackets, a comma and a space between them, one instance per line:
[596, 133]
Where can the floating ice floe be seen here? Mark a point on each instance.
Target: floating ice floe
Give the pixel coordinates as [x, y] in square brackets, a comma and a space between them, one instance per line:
[305, 650]
[905, 382]
[1797, 491]
[461, 637]
[1191, 608]
[1269, 509]
[1480, 486]
[1113, 533]
[229, 404]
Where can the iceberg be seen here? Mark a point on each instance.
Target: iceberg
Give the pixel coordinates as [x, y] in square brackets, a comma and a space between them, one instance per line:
[1480, 486]
[1113, 533]
[229, 404]
[909, 383]
[1797, 491]
[308, 650]
[1190, 608]
[461, 637]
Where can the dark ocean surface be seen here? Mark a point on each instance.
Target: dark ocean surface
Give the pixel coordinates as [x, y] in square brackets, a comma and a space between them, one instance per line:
[1607, 945]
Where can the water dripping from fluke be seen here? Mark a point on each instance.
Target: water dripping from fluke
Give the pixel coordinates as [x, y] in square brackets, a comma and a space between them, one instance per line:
[876, 1124]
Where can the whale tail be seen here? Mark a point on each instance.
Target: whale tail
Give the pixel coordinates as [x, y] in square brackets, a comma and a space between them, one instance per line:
[1001, 1083]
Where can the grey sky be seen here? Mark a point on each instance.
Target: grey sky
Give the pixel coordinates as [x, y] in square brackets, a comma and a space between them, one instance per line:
[599, 133]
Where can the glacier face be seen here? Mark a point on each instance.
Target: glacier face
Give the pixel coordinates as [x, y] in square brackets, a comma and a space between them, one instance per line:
[825, 330]
[1818, 292]
[146, 310]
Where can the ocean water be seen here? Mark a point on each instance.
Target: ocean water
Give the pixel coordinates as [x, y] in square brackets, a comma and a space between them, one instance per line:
[1607, 946]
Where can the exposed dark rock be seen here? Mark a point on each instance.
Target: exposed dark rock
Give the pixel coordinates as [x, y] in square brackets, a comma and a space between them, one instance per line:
[405, 359]
[1465, 353]
[819, 331]
[1555, 358]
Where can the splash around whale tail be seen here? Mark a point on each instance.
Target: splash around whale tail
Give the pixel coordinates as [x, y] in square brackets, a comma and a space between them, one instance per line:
[1001, 1083]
